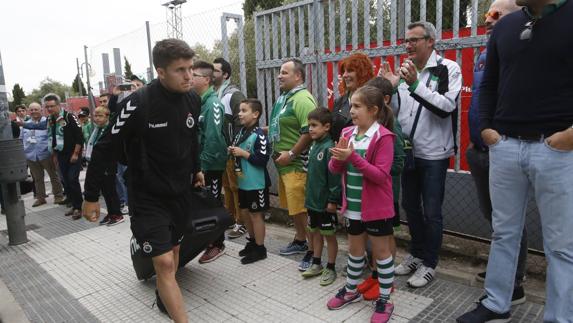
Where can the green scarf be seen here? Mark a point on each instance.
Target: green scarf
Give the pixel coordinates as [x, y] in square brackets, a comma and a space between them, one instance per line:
[96, 134]
[60, 123]
[222, 89]
[278, 109]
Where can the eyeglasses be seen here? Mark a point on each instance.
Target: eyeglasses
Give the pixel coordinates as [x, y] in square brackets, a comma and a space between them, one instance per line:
[494, 14]
[414, 40]
[199, 75]
[50, 106]
[527, 33]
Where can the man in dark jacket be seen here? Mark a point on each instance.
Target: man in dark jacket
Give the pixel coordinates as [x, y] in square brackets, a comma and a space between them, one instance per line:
[156, 127]
[66, 141]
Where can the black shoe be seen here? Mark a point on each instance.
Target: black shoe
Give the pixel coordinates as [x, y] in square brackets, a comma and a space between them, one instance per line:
[480, 277]
[248, 247]
[482, 314]
[160, 304]
[258, 253]
[517, 298]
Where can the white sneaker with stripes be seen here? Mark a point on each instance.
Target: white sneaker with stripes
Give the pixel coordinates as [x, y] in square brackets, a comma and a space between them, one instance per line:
[421, 277]
[408, 265]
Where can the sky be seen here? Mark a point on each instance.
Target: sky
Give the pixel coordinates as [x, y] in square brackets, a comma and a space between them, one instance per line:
[43, 38]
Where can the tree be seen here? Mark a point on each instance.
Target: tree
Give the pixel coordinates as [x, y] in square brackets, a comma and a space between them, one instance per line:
[250, 6]
[78, 86]
[18, 96]
[205, 54]
[48, 86]
[127, 73]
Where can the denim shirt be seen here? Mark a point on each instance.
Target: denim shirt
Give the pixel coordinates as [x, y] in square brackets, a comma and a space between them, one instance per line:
[35, 142]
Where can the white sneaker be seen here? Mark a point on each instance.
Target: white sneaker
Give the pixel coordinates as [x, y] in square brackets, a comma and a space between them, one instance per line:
[124, 209]
[408, 265]
[421, 277]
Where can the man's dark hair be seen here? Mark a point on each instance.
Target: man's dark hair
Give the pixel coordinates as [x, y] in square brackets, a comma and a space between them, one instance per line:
[51, 97]
[255, 105]
[168, 50]
[225, 66]
[321, 115]
[19, 107]
[105, 94]
[298, 67]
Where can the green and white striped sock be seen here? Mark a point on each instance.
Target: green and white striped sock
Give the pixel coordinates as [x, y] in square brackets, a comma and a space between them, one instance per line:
[353, 271]
[385, 270]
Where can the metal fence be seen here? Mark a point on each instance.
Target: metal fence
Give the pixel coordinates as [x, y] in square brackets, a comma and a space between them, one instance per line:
[321, 33]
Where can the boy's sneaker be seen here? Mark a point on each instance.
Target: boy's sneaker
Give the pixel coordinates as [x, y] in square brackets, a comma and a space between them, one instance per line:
[312, 271]
[248, 247]
[327, 277]
[421, 277]
[115, 219]
[211, 254]
[160, 304]
[294, 248]
[237, 231]
[408, 265]
[256, 254]
[342, 299]
[482, 314]
[306, 262]
[105, 220]
[382, 313]
[367, 284]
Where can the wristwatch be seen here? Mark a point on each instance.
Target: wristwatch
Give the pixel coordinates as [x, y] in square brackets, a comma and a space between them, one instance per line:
[291, 155]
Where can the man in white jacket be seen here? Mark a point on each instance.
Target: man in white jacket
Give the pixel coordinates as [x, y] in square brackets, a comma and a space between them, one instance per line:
[428, 88]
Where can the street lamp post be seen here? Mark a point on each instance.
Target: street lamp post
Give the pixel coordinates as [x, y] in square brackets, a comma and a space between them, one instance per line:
[91, 99]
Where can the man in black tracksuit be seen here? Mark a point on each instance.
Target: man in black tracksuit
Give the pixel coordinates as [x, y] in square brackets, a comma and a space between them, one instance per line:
[156, 129]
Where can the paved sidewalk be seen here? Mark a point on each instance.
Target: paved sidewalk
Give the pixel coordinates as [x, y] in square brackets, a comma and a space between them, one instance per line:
[75, 271]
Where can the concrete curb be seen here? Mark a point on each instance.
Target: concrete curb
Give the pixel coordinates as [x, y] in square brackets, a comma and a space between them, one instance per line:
[10, 310]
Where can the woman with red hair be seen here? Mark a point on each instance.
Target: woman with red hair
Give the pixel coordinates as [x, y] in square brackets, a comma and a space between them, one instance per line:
[356, 70]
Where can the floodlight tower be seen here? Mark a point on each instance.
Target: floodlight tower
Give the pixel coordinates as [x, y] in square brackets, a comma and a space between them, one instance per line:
[174, 20]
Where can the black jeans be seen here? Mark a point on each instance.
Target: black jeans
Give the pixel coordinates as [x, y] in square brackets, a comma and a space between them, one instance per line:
[214, 182]
[478, 161]
[425, 185]
[71, 177]
[110, 194]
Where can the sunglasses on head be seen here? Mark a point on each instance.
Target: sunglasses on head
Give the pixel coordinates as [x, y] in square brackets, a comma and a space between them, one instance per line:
[494, 14]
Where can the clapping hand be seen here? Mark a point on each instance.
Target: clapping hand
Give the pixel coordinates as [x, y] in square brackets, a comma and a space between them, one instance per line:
[342, 150]
[386, 72]
[408, 72]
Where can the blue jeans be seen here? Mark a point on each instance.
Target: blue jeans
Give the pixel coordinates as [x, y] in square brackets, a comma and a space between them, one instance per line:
[516, 167]
[425, 185]
[120, 184]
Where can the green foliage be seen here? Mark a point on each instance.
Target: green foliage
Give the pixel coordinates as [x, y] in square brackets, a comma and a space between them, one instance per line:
[127, 73]
[251, 6]
[18, 94]
[78, 85]
[48, 86]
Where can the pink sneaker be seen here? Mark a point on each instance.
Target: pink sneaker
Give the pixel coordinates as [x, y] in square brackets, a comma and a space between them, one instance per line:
[382, 313]
[342, 299]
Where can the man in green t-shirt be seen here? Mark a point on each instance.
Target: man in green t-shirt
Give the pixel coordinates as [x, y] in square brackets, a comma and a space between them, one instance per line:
[288, 133]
